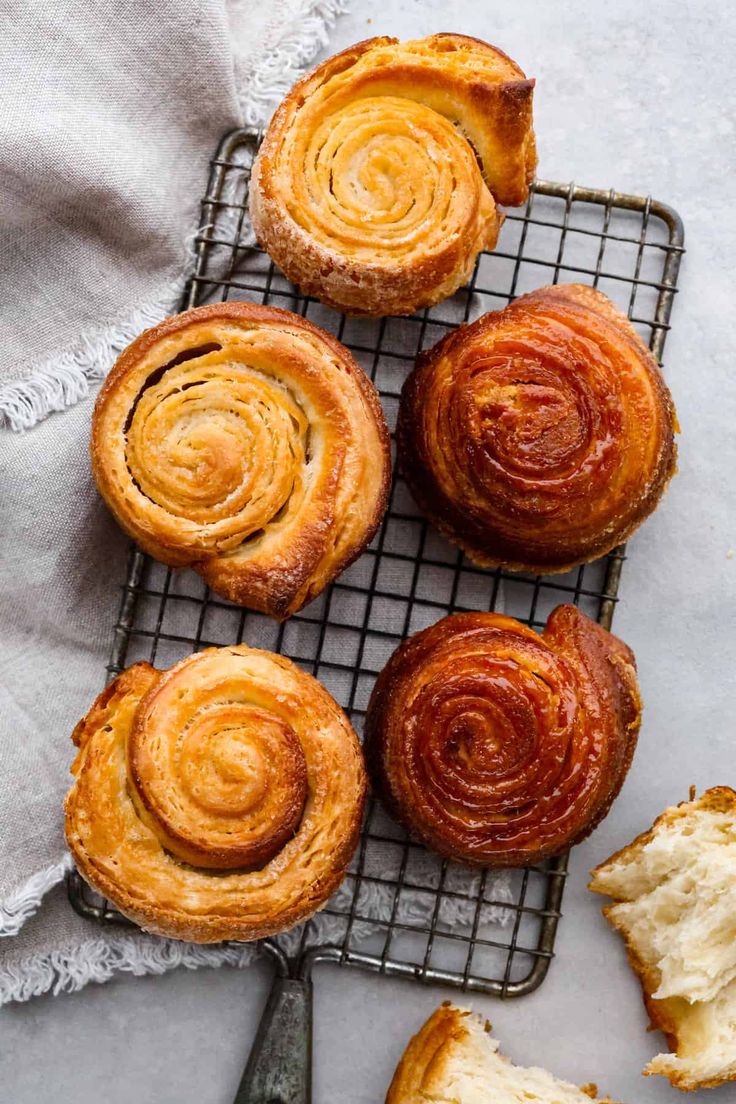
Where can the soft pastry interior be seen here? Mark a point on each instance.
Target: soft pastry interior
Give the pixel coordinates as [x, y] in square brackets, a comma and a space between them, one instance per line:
[377, 181]
[674, 891]
[454, 1059]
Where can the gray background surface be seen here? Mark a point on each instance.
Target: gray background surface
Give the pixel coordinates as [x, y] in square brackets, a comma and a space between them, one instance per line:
[637, 95]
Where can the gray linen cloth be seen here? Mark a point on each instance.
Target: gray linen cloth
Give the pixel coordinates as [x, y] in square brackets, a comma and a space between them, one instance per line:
[112, 112]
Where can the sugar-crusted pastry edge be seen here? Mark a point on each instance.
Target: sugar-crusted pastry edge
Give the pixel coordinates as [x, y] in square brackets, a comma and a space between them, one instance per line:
[331, 275]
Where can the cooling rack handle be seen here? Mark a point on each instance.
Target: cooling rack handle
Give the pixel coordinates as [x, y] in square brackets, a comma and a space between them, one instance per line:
[279, 1069]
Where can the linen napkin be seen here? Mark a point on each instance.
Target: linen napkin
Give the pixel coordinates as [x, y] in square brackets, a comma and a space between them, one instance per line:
[112, 112]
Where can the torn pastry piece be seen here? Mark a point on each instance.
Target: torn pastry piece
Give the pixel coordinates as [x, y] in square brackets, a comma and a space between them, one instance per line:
[454, 1059]
[674, 891]
[221, 799]
[376, 184]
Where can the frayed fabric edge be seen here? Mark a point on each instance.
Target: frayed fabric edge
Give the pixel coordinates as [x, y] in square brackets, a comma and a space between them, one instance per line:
[97, 960]
[22, 902]
[65, 379]
[284, 63]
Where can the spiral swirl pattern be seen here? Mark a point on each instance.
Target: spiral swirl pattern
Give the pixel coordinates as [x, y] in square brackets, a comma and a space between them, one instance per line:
[542, 435]
[500, 747]
[375, 185]
[247, 443]
[220, 799]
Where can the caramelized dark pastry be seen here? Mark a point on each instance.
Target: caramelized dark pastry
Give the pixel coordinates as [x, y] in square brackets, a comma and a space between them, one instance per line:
[540, 436]
[498, 746]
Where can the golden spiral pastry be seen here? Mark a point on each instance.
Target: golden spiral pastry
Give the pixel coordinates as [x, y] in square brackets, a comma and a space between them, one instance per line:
[376, 185]
[246, 443]
[220, 799]
[540, 436]
[497, 746]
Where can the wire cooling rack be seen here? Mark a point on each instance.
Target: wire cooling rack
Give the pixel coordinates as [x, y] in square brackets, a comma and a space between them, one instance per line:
[403, 911]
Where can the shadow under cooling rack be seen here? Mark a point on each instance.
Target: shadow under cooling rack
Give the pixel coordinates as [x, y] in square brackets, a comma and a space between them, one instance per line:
[402, 910]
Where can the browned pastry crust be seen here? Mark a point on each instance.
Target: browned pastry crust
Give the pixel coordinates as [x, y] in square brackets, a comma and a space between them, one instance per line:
[500, 747]
[245, 442]
[453, 1059]
[423, 1067]
[376, 184]
[221, 799]
[540, 436]
[674, 1016]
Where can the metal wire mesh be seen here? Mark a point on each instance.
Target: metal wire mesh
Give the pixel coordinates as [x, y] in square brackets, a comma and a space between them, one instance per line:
[403, 911]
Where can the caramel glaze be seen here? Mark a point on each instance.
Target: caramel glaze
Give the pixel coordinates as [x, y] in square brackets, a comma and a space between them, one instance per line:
[498, 746]
[540, 436]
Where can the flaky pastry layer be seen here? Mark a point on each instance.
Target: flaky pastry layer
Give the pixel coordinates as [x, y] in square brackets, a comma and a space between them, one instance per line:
[221, 799]
[454, 1059]
[674, 903]
[245, 442]
[498, 746]
[376, 184]
[541, 436]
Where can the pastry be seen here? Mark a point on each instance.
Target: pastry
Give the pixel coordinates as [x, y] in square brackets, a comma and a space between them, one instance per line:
[540, 436]
[220, 799]
[246, 443]
[454, 1059]
[497, 746]
[674, 891]
[376, 184]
